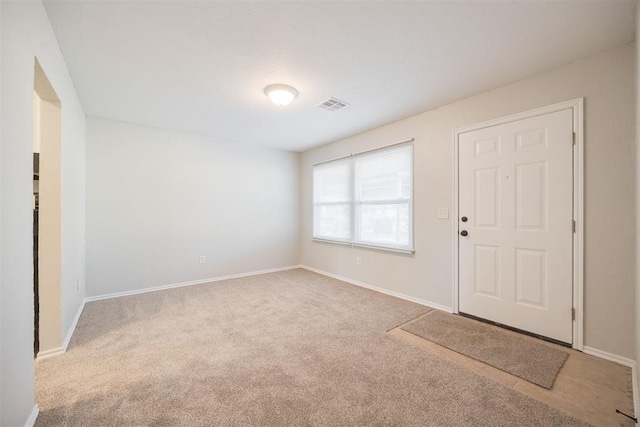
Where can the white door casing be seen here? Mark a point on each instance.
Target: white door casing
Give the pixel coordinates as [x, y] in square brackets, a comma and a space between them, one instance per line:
[516, 187]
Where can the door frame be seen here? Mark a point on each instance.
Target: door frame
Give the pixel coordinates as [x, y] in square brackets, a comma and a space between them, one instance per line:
[577, 105]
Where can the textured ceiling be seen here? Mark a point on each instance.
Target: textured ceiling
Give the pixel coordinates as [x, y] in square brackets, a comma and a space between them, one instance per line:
[201, 67]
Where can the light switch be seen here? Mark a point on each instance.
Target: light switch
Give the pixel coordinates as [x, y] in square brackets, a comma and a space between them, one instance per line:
[443, 213]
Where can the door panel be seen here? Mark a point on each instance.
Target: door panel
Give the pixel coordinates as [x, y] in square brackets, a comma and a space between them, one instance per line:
[487, 271]
[516, 189]
[531, 277]
[531, 196]
[487, 189]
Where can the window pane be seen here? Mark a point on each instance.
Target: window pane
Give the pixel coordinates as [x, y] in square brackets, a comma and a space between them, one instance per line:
[332, 181]
[332, 197]
[384, 193]
[385, 225]
[384, 174]
[332, 222]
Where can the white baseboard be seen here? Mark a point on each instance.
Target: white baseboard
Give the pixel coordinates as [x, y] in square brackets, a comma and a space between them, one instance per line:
[72, 329]
[32, 418]
[50, 353]
[192, 283]
[609, 356]
[382, 290]
[61, 350]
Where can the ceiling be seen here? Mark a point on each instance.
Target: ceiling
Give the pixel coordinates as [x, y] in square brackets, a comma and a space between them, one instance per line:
[201, 67]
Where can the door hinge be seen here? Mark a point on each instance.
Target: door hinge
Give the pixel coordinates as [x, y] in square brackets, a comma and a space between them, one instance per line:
[573, 225]
[573, 313]
[573, 139]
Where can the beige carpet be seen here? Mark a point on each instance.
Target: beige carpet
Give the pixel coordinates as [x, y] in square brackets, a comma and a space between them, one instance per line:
[289, 348]
[521, 356]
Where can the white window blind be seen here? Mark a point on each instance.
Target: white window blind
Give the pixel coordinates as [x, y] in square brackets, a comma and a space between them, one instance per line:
[383, 198]
[366, 199]
[332, 200]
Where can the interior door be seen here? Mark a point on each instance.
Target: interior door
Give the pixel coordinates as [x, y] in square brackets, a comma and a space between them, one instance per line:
[515, 224]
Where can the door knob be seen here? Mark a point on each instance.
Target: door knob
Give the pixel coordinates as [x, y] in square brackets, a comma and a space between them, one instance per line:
[463, 219]
[464, 233]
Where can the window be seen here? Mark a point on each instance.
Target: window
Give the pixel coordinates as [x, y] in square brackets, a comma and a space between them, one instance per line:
[366, 199]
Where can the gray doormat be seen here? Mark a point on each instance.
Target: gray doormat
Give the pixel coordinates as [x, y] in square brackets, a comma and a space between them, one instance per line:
[523, 357]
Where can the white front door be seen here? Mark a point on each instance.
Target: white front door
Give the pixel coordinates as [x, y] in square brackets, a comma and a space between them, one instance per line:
[515, 224]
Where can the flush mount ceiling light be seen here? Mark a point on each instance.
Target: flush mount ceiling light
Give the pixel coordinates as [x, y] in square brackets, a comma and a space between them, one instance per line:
[281, 95]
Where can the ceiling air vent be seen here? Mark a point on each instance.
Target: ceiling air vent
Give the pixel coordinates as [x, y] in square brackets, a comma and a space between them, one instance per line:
[333, 104]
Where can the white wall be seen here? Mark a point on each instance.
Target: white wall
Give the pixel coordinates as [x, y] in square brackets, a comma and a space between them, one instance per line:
[605, 81]
[157, 200]
[26, 34]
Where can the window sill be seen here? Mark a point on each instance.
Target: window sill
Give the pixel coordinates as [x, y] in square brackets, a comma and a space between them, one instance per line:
[335, 242]
[384, 248]
[360, 245]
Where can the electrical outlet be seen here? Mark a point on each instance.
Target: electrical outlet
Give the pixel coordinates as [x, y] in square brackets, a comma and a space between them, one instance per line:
[202, 259]
[443, 213]
[358, 261]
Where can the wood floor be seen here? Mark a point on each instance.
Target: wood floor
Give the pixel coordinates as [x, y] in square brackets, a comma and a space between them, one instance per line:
[587, 387]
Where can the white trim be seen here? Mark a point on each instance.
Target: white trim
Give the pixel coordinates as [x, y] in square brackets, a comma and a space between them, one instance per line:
[454, 224]
[624, 361]
[72, 329]
[335, 242]
[383, 248]
[33, 417]
[61, 350]
[634, 390]
[365, 246]
[50, 353]
[578, 213]
[577, 105]
[381, 290]
[522, 115]
[194, 282]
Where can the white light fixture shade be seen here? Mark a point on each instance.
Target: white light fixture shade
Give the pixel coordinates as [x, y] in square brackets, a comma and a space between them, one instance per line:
[281, 95]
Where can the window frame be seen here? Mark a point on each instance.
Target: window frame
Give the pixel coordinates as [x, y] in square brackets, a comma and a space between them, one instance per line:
[356, 204]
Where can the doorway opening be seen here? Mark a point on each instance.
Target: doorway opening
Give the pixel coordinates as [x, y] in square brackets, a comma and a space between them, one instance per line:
[47, 241]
